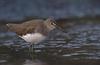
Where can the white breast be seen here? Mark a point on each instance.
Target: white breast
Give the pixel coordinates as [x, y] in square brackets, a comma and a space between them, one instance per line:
[33, 37]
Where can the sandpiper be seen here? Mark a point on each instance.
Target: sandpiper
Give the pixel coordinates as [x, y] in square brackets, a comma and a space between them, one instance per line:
[33, 31]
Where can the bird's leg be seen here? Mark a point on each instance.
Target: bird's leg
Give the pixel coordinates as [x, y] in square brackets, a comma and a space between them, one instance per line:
[31, 50]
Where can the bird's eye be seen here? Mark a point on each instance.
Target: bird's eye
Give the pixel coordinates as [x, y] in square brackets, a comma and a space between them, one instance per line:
[53, 23]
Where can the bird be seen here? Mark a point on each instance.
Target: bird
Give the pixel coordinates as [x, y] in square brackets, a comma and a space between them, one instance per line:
[33, 31]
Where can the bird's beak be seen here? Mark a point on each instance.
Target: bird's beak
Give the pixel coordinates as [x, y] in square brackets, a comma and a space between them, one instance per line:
[61, 29]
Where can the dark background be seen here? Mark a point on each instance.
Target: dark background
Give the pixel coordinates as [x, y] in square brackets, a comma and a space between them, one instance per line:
[19, 9]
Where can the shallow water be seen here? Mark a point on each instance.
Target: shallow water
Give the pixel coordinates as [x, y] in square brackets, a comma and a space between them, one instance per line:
[80, 45]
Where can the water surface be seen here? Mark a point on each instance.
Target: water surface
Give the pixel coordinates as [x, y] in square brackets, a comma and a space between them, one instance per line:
[79, 45]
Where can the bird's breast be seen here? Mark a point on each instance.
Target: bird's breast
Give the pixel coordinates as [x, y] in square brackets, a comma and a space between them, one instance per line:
[33, 37]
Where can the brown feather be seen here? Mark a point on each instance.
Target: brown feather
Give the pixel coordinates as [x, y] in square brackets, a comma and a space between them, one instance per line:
[38, 26]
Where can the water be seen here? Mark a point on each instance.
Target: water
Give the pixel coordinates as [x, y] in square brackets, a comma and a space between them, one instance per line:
[80, 45]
